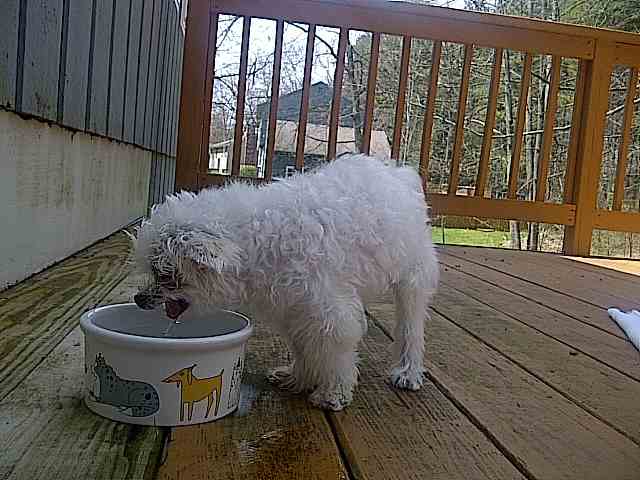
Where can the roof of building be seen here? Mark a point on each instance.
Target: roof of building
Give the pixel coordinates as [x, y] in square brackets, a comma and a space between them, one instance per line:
[320, 96]
[316, 140]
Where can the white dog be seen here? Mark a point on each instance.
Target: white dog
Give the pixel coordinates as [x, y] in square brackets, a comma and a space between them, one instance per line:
[306, 255]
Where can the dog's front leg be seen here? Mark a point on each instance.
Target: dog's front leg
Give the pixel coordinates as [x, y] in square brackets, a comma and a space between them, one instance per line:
[290, 377]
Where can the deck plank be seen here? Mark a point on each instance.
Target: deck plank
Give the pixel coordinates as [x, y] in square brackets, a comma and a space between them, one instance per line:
[38, 313]
[622, 267]
[504, 398]
[272, 435]
[611, 350]
[547, 435]
[47, 432]
[616, 268]
[581, 311]
[599, 389]
[392, 434]
[613, 268]
[557, 273]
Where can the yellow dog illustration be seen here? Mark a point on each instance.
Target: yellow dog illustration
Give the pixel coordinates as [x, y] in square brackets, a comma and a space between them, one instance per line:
[194, 389]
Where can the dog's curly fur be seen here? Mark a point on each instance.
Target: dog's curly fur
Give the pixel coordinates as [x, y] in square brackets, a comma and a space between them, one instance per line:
[306, 255]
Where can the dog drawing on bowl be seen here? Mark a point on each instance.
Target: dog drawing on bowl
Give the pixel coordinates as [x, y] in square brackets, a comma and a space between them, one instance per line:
[194, 390]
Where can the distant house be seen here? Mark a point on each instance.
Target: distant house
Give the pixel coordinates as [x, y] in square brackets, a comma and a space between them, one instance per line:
[317, 133]
[284, 157]
[254, 142]
[220, 156]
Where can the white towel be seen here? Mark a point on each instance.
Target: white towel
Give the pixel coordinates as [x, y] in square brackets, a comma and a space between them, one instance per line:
[629, 322]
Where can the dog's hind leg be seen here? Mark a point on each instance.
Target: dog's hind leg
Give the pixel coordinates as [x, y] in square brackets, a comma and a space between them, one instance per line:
[412, 296]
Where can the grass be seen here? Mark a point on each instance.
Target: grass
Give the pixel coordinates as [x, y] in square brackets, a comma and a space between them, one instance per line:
[478, 238]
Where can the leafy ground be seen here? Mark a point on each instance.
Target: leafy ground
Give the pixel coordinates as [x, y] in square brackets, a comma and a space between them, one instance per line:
[479, 238]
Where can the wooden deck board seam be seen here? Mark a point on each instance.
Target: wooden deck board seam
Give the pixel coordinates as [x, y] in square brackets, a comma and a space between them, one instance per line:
[575, 264]
[547, 266]
[69, 329]
[568, 295]
[511, 458]
[573, 347]
[333, 427]
[163, 452]
[583, 264]
[537, 302]
[588, 267]
[518, 364]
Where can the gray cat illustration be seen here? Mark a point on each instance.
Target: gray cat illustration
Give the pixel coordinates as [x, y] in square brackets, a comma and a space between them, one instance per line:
[131, 397]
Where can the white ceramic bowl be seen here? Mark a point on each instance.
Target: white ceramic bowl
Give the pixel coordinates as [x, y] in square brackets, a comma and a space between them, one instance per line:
[142, 368]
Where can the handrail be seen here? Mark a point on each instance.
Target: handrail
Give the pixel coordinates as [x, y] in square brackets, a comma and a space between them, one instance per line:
[597, 50]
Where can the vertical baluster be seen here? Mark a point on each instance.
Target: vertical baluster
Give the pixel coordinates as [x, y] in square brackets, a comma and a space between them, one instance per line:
[572, 152]
[454, 174]
[304, 102]
[371, 93]
[489, 124]
[427, 125]
[334, 122]
[242, 90]
[549, 124]
[273, 107]
[208, 95]
[623, 148]
[401, 98]
[518, 138]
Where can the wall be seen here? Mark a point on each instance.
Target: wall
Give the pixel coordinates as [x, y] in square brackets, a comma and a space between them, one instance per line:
[61, 191]
[89, 93]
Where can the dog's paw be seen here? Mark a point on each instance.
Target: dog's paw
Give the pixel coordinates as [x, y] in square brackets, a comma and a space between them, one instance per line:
[283, 378]
[407, 379]
[334, 400]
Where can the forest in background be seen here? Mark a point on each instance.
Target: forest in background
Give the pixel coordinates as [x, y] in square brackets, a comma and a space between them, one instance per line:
[618, 14]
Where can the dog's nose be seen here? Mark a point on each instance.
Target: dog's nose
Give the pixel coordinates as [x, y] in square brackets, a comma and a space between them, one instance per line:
[143, 301]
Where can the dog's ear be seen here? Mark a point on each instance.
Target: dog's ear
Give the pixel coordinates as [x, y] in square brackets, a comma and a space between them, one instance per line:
[190, 375]
[204, 247]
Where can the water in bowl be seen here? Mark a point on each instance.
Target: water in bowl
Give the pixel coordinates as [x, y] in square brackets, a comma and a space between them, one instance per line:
[131, 320]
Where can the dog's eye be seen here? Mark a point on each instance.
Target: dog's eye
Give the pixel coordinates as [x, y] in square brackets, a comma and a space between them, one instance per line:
[168, 282]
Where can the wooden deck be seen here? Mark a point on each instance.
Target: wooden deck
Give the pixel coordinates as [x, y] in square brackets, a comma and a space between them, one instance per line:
[527, 378]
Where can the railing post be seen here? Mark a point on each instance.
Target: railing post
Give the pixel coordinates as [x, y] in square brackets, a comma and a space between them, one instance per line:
[192, 104]
[590, 130]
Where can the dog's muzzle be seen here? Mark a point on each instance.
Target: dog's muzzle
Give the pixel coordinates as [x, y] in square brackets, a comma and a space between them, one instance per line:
[144, 301]
[175, 308]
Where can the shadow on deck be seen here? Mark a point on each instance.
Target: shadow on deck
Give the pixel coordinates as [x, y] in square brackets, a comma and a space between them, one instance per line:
[527, 378]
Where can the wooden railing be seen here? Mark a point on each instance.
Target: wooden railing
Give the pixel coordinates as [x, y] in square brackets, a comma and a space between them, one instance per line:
[597, 51]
